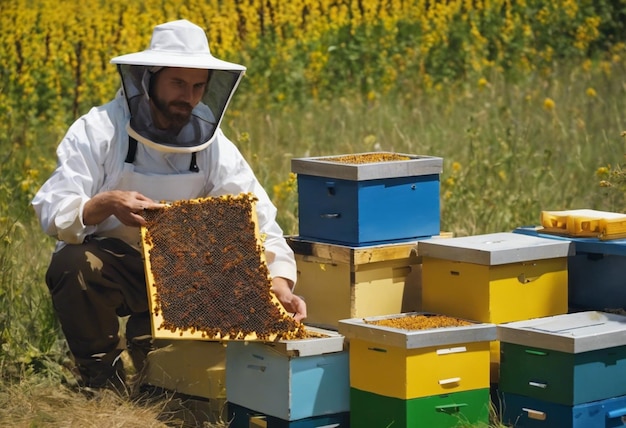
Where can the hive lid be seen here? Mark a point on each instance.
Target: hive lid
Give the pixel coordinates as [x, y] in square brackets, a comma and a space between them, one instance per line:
[572, 333]
[616, 247]
[358, 328]
[495, 248]
[331, 167]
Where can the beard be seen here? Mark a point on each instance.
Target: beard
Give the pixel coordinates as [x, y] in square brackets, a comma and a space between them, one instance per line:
[176, 113]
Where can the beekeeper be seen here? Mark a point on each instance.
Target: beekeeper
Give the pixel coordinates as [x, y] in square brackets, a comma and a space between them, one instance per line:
[158, 140]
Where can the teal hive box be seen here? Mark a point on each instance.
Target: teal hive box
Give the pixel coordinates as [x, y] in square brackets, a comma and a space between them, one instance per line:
[566, 359]
[368, 203]
[290, 379]
[527, 412]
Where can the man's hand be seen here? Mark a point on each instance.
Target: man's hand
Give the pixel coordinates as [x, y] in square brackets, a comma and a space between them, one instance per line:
[125, 205]
[292, 303]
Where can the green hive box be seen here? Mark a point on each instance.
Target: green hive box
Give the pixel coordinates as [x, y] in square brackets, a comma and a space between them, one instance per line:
[458, 409]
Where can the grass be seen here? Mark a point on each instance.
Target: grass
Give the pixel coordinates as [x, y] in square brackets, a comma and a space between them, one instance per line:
[510, 150]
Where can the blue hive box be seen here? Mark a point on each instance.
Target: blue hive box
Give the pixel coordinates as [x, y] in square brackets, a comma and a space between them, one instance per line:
[527, 412]
[241, 417]
[368, 203]
[290, 380]
[597, 271]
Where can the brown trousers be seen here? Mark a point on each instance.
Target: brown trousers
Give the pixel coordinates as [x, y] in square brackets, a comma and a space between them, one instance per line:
[92, 284]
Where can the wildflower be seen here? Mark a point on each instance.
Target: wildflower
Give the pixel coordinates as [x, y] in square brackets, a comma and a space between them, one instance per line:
[244, 137]
[548, 104]
[502, 175]
[369, 140]
[25, 185]
[482, 82]
[456, 166]
[605, 183]
[591, 92]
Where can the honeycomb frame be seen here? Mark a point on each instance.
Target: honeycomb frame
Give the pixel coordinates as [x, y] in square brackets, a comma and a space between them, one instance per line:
[206, 273]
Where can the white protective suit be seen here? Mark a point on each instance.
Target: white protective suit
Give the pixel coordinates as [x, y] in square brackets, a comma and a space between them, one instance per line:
[91, 156]
[91, 160]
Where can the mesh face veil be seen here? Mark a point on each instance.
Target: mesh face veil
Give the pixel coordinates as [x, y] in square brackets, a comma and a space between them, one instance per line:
[205, 118]
[179, 44]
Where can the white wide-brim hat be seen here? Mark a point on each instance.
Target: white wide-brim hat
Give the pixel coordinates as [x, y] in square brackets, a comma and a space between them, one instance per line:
[178, 44]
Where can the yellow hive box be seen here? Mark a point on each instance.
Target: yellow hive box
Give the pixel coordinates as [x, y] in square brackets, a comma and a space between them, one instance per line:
[339, 282]
[196, 368]
[585, 223]
[409, 364]
[495, 278]
[499, 277]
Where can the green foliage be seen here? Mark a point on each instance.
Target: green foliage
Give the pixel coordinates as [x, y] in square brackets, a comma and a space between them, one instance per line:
[30, 339]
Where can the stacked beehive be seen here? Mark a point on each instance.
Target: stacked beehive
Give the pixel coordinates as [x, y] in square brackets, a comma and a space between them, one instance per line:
[564, 371]
[359, 218]
[418, 370]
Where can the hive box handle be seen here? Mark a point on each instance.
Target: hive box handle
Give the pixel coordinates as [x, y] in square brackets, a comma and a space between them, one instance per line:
[450, 408]
[449, 381]
[535, 414]
[617, 413]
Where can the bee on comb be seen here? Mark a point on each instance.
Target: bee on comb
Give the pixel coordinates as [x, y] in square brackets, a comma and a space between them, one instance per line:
[206, 273]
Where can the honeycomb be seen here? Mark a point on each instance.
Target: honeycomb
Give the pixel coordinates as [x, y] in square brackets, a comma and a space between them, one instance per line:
[420, 322]
[206, 273]
[362, 158]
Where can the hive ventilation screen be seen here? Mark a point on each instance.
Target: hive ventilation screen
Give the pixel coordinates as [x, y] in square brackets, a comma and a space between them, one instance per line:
[206, 273]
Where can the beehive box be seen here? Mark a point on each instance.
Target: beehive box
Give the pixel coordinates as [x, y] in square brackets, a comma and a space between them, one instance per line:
[241, 417]
[407, 363]
[368, 198]
[292, 379]
[340, 282]
[527, 412]
[195, 368]
[456, 409]
[596, 272]
[568, 359]
[498, 277]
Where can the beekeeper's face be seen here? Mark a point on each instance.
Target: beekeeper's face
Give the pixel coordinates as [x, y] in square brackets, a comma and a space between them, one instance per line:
[174, 92]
